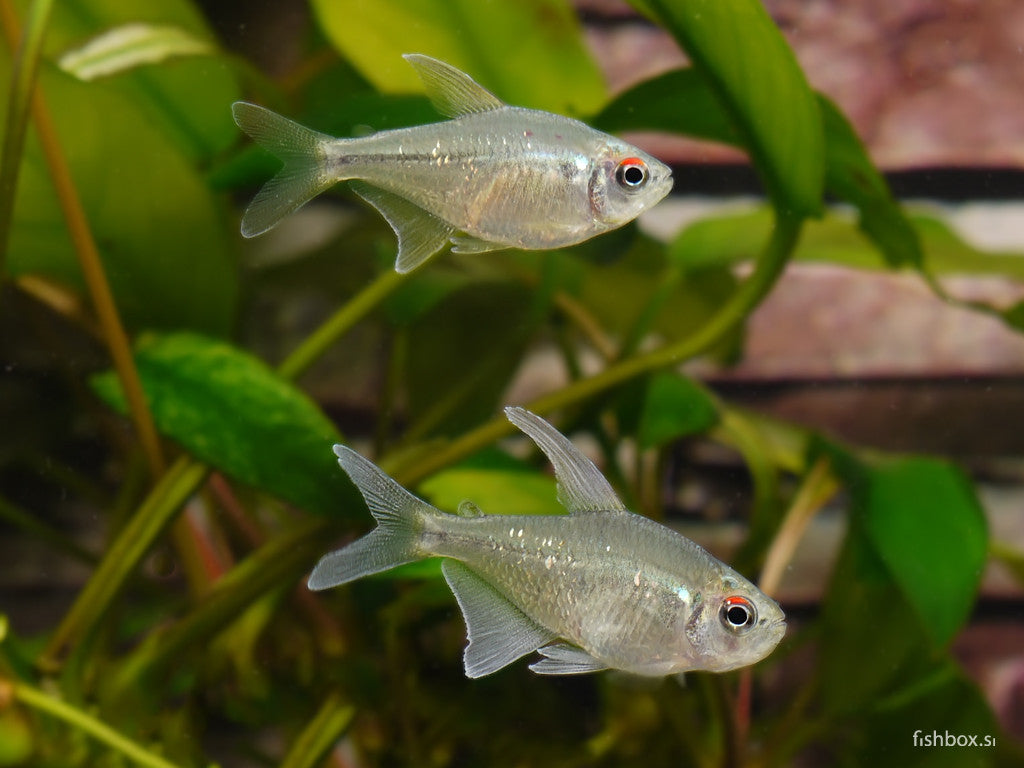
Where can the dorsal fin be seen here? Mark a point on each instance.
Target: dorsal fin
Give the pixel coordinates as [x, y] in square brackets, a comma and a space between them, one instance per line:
[451, 91]
[581, 486]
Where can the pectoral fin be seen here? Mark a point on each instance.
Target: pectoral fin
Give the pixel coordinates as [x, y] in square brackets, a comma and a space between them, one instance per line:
[499, 633]
[581, 486]
[420, 234]
[565, 659]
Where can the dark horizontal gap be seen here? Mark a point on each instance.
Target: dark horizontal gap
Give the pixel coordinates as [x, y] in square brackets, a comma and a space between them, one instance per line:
[951, 381]
[952, 185]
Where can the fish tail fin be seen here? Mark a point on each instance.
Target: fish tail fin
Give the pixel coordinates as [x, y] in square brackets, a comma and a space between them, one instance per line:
[304, 175]
[395, 540]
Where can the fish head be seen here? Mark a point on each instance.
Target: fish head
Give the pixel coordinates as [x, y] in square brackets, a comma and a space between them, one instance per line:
[733, 625]
[626, 181]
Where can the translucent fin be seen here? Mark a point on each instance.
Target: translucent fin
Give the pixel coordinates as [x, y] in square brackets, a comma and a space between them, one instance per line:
[565, 659]
[451, 91]
[395, 539]
[420, 234]
[304, 175]
[581, 486]
[470, 244]
[498, 632]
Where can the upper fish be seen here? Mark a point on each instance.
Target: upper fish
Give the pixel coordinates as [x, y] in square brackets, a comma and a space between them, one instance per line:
[494, 176]
[600, 588]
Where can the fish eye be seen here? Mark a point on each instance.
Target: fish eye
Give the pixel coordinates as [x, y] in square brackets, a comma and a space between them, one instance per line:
[738, 614]
[631, 173]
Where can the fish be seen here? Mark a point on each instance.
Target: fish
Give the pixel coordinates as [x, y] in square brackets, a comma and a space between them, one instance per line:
[599, 588]
[493, 176]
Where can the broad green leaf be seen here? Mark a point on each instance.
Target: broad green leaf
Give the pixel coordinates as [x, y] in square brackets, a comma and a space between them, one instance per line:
[680, 101]
[944, 701]
[124, 48]
[529, 53]
[717, 241]
[159, 229]
[864, 608]
[683, 102]
[924, 530]
[927, 526]
[851, 176]
[674, 406]
[737, 47]
[230, 411]
[494, 491]
[619, 292]
[187, 98]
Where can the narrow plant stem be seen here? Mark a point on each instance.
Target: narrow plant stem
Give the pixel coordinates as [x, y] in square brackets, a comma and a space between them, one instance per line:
[270, 566]
[127, 550]
[745, 437]
[85, 249]
[769, 266]
[19, 518]
[321, 734]
[817, 488]
[43, 702]
[175, 487]
[23, 78]
[587, 323]
[348, 315]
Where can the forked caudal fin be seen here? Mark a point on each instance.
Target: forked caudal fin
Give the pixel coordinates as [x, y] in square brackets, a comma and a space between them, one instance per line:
[304, 175]
[393, 542]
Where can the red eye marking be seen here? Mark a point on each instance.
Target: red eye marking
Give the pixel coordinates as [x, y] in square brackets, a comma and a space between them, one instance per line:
[631, 173]
[738, 613]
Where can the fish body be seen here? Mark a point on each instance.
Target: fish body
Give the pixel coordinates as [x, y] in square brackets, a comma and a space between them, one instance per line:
[494, 176]
[600, 588]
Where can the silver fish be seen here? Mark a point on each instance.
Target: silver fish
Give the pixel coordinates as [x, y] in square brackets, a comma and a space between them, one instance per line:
[600, 588]
[493, 177]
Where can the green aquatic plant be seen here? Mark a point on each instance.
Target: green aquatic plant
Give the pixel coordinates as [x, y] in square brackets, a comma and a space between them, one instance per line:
[122, 206]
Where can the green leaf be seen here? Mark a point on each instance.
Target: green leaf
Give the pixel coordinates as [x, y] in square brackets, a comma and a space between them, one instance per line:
[529, 53]
[186, 99]
[494, 491]
[128, 46]
[159, 229]
[674, 406]
[739, 50]
[921, 521]
[679, 101]
[683, 102]
[718, 241]
[861, 606]
[622, 289]
[851, 176]
[230, 411]
[923, 518]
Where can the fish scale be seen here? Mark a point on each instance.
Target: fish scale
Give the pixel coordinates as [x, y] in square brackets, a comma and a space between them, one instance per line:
[596, 589]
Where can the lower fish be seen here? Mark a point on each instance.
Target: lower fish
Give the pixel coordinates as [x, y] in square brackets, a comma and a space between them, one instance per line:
[494, 176]
[599, 588]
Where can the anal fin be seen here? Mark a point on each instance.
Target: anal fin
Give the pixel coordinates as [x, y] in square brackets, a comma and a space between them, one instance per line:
[499, 633]
[420, 234]
[565, 659]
